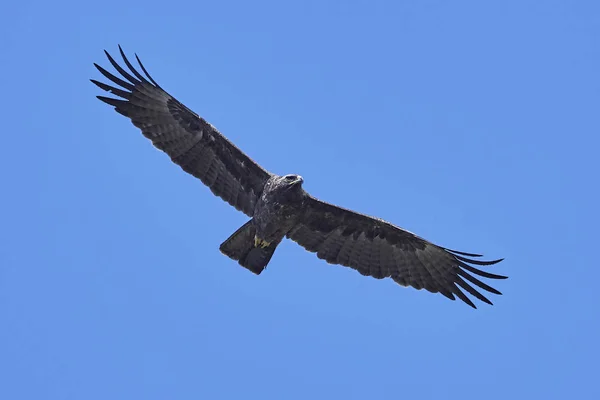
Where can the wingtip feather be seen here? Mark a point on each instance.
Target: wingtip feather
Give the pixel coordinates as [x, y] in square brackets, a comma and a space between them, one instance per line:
[146, 72]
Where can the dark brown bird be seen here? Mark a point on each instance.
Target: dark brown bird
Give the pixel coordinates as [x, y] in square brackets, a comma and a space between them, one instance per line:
[278, 205]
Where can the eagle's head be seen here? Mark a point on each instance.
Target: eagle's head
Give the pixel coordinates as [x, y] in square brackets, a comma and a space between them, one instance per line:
[292, 180]
[288, 187]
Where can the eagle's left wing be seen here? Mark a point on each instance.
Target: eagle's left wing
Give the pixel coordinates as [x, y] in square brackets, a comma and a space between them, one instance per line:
[379, 249]
[191, 142]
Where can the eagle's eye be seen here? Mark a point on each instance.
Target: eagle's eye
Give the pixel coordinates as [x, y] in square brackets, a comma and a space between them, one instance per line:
[290, 177]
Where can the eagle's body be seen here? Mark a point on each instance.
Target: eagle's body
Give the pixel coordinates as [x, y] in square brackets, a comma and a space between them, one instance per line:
[278, 205]
[277, 211]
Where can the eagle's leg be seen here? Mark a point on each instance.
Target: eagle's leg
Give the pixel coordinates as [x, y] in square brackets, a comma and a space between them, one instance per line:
[247, 249]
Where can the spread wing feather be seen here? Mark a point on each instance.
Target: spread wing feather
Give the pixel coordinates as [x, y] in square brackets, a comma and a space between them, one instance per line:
[191, 142]
[379, 249]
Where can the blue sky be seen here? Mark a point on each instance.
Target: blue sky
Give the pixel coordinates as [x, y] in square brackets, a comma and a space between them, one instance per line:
[473, 124]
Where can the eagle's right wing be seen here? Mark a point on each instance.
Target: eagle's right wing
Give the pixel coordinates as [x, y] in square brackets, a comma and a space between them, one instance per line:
[379, 249]
[191, 142]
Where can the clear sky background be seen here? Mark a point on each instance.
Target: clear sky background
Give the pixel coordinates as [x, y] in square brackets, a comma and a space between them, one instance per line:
[473, 124]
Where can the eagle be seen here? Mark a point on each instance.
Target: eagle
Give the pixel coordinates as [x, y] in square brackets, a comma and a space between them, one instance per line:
[279, 207]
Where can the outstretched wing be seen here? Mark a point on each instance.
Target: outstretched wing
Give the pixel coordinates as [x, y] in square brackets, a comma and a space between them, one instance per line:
[376, 248]
[191, 142]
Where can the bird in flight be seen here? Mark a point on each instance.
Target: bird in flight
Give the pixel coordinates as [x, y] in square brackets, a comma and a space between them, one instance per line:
[279, 207]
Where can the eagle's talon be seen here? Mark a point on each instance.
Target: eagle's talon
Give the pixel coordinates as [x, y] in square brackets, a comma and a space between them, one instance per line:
[258, 242]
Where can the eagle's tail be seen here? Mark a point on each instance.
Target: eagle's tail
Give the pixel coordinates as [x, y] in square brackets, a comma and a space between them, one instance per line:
[250, 252]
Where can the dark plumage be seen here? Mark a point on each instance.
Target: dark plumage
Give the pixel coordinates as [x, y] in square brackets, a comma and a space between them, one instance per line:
[278, 205]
